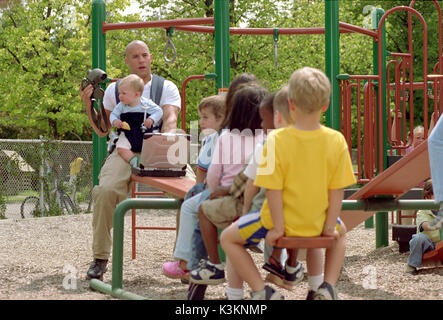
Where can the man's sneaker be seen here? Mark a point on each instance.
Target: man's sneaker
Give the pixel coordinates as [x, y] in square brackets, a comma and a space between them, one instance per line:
[293, 278]
[325, 292]
[437, 223]
[173, 270]
[207, 273]
[266, 294]
[97, 269]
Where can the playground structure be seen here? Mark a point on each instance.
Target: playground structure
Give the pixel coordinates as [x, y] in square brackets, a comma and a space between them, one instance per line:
[383, 185]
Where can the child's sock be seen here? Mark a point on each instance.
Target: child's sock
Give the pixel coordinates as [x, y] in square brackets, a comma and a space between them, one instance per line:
[219, 266]
[315, 281]
[234, 293]
[290, 269]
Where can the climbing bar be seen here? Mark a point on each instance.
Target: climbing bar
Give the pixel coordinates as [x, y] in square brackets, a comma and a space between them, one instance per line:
[254, 31]
[344, 28]
[155, 24]
[356, 29]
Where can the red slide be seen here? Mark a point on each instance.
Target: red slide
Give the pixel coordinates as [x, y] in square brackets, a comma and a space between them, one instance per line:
[398, 179]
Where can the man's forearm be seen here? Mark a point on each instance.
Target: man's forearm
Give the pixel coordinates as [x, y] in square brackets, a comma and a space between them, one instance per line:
[170, 115]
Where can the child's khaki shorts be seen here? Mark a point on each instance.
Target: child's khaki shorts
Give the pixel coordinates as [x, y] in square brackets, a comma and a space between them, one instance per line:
[222, 211]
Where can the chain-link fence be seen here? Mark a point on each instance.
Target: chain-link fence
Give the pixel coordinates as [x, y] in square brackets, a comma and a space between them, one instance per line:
[24, 165]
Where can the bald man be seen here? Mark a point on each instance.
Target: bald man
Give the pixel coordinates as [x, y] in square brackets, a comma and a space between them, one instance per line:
[115, 175]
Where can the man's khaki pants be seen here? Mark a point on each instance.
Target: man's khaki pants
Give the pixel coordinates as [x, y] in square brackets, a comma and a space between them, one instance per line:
[114, 185]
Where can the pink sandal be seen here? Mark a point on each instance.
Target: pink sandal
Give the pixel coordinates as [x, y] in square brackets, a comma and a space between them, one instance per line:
[173, 270]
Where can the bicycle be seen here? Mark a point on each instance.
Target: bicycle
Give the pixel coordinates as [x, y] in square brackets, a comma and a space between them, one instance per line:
[30, 207]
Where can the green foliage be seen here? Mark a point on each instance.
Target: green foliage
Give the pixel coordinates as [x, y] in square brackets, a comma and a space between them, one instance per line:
[45, 51]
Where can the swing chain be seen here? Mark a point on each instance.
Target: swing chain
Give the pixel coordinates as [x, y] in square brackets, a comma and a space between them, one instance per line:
[275, 35]
[169, 44]
[213, 51]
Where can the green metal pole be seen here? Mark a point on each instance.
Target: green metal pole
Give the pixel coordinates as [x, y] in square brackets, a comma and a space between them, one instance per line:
[332, 60]
[119, 213]
[377, 14]
[117, 246]
[116, 289]
[381, 218]
[222, 55]
[98, 61]
[222, 51]
[383, 204]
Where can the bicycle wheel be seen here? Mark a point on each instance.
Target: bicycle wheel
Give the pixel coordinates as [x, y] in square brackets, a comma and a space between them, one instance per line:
[30, 207]
[68, 206]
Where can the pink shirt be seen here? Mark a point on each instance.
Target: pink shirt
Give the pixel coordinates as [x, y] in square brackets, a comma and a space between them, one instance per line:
[231, 153]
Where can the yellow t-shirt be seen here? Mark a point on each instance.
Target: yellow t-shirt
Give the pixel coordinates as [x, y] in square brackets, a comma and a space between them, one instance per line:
[307, 164]
[427, 216]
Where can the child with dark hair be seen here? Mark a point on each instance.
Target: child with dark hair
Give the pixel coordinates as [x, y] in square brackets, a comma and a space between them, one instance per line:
[233, 86]
[235, 146]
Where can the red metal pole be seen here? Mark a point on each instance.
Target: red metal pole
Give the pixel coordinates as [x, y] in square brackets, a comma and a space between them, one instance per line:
[183, 97]
[156, 24]
[355, 29]
[380, 67]
[359, 132]
[345, 28]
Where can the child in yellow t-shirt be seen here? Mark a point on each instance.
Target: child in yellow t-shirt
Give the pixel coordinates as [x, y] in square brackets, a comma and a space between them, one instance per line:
[305, 168]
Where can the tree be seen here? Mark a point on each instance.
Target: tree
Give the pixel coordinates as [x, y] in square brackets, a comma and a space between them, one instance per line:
[44, 53]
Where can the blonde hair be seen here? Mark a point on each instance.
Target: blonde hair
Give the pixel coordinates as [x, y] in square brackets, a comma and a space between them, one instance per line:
[309, 89]
[281, 103]
[418, 129]
[216, 105]
[134, 82]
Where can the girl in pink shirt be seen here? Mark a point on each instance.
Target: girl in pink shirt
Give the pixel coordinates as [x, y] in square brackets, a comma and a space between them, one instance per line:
[230, 155]
[232, 152]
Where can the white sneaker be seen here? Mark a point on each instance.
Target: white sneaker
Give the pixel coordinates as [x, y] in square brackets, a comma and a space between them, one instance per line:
[266, 294]
[326, 292]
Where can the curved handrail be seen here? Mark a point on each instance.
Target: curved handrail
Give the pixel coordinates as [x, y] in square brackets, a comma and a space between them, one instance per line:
[380, 75]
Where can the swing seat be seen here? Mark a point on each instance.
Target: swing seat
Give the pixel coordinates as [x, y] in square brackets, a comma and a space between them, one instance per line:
[305, 242]
[435, 255]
